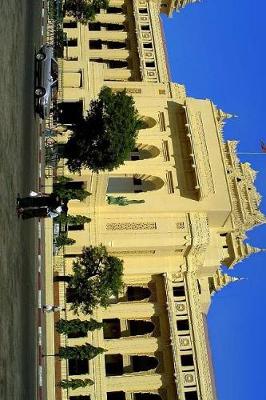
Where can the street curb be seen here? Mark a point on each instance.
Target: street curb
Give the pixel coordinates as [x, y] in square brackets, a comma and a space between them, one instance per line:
[39, 281]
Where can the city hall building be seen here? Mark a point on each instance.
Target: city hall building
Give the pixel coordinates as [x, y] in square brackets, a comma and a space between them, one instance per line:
[190, 202]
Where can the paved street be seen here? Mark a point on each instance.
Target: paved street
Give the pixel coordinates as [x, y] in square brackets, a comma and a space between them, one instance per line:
[19, 38]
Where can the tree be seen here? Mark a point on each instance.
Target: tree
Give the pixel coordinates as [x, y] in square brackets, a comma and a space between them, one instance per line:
[62, 240]
[97, 277]
[75, 383]
[84, 10]
[104, 139]
[72, 219]
[84, 352]
[72, 326]
[64, 188]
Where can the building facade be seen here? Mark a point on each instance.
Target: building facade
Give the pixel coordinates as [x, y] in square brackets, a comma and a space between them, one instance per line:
[189, 202]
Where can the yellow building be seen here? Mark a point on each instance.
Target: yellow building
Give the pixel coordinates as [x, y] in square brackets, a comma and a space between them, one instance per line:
[197, 202]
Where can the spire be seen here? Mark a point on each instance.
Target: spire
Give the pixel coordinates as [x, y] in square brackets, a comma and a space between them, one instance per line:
[223, 115]
[221, 280]
[168, 6]
[240, 250]
[252, 250]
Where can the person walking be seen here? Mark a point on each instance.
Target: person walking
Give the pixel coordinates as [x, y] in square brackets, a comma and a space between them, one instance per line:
[40, 205]
[52, 308]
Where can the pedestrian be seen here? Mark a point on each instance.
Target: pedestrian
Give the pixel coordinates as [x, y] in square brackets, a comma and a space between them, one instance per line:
[40, 205]
[52, 308]
[51, 200]
[48, 308]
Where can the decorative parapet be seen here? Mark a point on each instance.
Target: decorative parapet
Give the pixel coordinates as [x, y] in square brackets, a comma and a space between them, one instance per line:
[183, 3]
[155, 55]
[200, 340]
[199, 376]
[200, 154]
[178, 92]
[200, 237]
[168, 6]
[245, 198]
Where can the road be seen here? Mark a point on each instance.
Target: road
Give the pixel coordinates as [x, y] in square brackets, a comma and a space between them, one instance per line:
[19, 38]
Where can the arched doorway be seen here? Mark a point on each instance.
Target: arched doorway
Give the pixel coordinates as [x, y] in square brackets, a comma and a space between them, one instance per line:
[134, 184]
[143, 152]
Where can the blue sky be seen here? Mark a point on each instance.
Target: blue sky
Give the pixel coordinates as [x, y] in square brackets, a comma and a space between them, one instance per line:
[217, 49]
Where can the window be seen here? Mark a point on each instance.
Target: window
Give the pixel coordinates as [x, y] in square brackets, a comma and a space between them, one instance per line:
[150, 64]
[145, 27]
[147, 396]
[81, 397]
[199, 287]
[78, 367]
[78, 227]
[75, 185]
[182, 325]
[187, 360]
[138, 293]
[191, 395]
[115, 45]
[211, 284]
[94, 26]
[114, 10]
[143, 10]
[95, 44]
[116, 396]
[113, 365]
[77, 334]
[140, 327]
[179, 291]
[111, 328]
[113, 27]
[134, 157]
[70, 24]
[71, 42]
[147, 45]
[136, 181]
[143, 363]
[112, 64]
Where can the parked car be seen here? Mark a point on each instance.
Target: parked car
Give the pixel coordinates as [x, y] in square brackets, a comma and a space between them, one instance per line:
[46, 79]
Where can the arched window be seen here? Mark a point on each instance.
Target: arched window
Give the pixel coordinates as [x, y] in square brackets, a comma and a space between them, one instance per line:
[144, 151]
[134, 184]
[148, 122]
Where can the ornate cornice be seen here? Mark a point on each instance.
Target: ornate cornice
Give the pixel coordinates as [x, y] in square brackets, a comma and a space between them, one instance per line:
[245, 198]
[196, 135]
[200, 237]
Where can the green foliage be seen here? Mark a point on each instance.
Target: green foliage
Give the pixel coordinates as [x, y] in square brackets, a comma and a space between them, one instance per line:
[97, 277]
[72, 326]
[84, 10]
[72, 219]
[63, 189]
[63, 240]
[75, 383]
[83, 352]
[104, 139]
